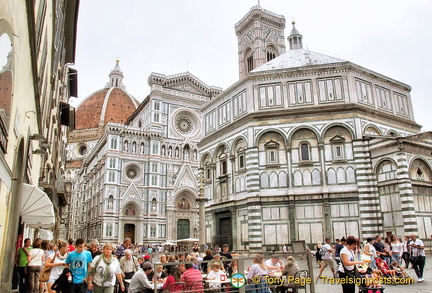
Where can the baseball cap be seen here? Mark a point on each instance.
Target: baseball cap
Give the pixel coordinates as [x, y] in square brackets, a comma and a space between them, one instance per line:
[146, 265]
[147, 257]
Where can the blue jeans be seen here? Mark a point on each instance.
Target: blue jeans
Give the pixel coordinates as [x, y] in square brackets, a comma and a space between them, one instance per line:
[258, 288]
[22, 280]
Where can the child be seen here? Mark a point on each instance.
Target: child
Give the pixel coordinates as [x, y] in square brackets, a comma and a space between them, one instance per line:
[395, 266]
[376, 276]
[215, 277]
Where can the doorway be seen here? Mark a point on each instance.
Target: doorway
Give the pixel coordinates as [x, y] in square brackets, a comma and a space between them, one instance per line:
[183, 229]
[129, 231]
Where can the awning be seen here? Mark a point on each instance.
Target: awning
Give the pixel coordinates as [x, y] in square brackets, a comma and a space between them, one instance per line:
[36, 209]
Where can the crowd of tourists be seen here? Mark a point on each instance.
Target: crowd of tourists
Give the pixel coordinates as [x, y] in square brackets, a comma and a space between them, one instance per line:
[79, 267]
[389, 258]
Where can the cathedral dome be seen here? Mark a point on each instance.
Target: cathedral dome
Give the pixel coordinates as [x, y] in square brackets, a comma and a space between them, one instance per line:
[111, 104]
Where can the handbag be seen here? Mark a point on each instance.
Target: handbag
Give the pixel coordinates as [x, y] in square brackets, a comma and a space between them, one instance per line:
[46, 272]
[352, 274]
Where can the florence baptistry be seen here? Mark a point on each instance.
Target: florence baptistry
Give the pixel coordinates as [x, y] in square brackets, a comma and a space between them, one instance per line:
[302, 147]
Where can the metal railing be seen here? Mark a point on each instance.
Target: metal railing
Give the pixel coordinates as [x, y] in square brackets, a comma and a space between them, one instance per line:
[242, 284]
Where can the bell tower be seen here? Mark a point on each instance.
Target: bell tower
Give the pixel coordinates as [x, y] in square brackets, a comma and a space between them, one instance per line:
[260, 35]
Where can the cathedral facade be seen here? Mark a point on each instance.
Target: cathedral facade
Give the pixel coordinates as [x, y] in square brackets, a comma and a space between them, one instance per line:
[304, 146]
[137, 178]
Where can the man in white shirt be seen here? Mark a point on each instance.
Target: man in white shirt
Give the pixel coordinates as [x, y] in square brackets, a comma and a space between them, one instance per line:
[327, 259]
[418, 257]
[274, 264]
[139, 281]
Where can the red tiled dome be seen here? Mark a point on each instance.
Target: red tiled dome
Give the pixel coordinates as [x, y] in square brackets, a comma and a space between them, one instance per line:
[111, 104]
[118, 104]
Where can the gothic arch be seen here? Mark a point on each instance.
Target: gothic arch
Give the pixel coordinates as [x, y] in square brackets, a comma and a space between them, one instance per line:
[189, 195]
[131, 208]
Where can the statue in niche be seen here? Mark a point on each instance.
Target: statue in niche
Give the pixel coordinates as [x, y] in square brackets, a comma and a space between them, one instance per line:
[134, 147]
[110, 205]
[186, 154]
[126, 146]
[176, 152]
[170, 152]
[183, 204]
[142, 149]
[195, 155]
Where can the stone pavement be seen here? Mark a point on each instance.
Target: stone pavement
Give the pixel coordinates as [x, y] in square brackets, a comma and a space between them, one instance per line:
[424, 287]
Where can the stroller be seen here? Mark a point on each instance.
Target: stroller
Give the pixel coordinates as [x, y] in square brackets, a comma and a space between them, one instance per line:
[385, 270]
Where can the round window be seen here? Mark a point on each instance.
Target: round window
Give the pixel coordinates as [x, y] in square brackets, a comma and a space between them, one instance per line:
[132, 172]
[82, 150]
[184, 125]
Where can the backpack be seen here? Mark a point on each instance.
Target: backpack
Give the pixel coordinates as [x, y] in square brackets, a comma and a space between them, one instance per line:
[322, 251]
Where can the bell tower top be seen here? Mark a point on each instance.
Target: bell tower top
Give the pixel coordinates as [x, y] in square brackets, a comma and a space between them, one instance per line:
[260, 35]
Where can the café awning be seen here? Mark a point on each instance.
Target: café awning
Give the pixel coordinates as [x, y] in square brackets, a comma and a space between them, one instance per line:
[36, 209]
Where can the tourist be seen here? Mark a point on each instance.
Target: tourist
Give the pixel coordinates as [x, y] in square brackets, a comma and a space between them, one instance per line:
[327, 259]
[35, 259]
[397, 249]
[418, 258]
[56, 260]
[174, 276]
[94, 248]
[258, 269]
[78, 261]
[289, 270]
[103, 271]
[348, 261]
[140, 281]
[22, 263]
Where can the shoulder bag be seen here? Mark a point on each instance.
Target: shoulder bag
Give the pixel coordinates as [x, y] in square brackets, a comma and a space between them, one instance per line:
[26, 267]
[46, 272]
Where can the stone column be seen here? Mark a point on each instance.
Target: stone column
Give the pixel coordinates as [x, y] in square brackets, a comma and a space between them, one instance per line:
[201, 202]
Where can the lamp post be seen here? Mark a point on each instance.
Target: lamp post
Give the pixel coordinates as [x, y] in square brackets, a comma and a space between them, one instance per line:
[201, 201]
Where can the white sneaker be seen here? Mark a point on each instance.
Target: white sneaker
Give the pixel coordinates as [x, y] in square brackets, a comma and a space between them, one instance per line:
[420, 280]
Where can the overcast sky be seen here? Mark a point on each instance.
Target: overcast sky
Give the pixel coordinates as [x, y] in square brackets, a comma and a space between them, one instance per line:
[391, 37]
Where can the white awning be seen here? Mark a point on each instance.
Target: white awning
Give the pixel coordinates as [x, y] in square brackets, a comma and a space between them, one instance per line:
[36, 209]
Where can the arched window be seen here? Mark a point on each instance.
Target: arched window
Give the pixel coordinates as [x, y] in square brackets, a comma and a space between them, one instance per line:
[114, 143]
[304, 152]
[271, 54]
[163, 152]
[139, 124]
[272, 152]
[249, 61]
